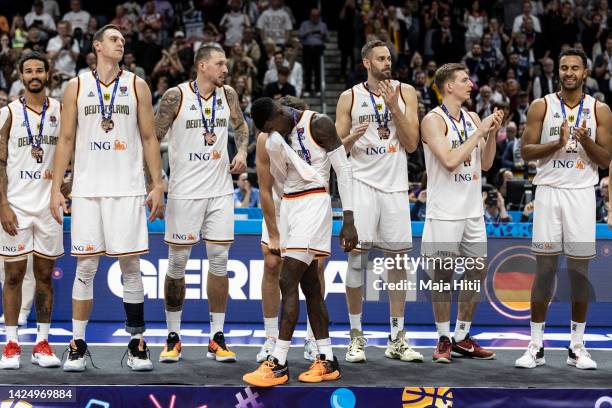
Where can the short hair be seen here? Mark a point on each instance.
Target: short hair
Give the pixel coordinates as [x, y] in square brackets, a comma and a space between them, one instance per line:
[366, 50]
[283, 71]
[293, 102]
[205, 51]
[99, 35]
[262, 110]
[574, 52]
[33, 55]
[446, 73]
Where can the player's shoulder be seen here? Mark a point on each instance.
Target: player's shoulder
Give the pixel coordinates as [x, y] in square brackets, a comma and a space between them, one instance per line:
[538, 106]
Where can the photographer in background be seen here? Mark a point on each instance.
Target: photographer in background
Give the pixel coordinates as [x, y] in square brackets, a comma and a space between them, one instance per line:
[495, 207]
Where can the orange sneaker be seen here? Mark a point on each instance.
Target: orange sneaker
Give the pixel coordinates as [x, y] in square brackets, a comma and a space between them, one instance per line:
[269, 374]
[321, 370]
[218, 350]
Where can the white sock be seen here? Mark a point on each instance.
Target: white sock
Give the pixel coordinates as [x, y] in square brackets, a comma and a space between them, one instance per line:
[309, 333]
[397, 324]
[443, 329]
[271, 326]
[78, 329]
[42, 331]
[577, 333]
[11, 334]
[173, 321]
[462, 329]
[537, 333]
[281, 348]
[136, 336]
[325, 348]
[355, 320]
[216, 323]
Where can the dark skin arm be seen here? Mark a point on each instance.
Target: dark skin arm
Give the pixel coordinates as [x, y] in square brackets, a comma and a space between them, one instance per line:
[324, 133]
[7, 215]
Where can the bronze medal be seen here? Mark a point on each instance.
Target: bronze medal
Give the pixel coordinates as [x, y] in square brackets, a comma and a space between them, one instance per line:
[209, 138]
[37, 154]
[384, 133]
[107, 125]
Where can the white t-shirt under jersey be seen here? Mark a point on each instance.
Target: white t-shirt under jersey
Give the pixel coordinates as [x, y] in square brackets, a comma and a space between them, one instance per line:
[379, 163]
[199, 168]
[454, 195]
[569, 167]
[29, 182]
[108, 164]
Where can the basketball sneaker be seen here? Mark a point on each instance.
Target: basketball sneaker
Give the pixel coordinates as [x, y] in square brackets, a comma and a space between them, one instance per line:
[77, 350]
[469, 347]
[533, 357]
[356, 348]
[321, 370]
[172, 350]
[310, 349]
[266, 349]
[580, 358]
[138, 355]
[269, 374]
[10, 356]
[400, 350]
[43, 355]
[218, 350]
[442, 354]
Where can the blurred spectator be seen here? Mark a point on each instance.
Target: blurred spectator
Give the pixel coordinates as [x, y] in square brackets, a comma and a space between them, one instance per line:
[90, 60]
[346, 37]
[240, 65]
[547, 82]
[160, 88]
[603, 200]
[133, 9]
[275, 23]
[38, 17]
[428, 96]
[3, 99]
[499, 38]
[484, 103]
[277, 62]
[210, 36]
[18, 31]
[495, 208]
[520, 113]
[63, 49]
[503, 176]
[250, 46]
[129, 63]
[474, 21]
[78, 18]
[519, 21]
[170, 66]
[521, 59]
[122, 19]
[511, 156]
[492, 57]
[296, 73]
[185, 51]
[233, 24]
[241, 86]
[245, 196]
[57, 85]
[418, 196]
[35, 40]
[594, 34]
[313, 33]
[193, 22]
[151, 18]
[164, 7]
[147, 51]
[446, 44]
[527, 214]
[479, 71]
[281, 87]
[51, 8]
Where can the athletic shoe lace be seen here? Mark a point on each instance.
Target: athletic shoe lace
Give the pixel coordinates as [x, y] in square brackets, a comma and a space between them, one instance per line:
[139, 354]
[266, 365]
[75, 354]
[356, 344]
[44, 348]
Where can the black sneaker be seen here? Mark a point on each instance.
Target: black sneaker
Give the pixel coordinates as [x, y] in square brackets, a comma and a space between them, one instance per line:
[218, 350]
[172, 349]
[77, 350]
[138, 355]
[269, 374]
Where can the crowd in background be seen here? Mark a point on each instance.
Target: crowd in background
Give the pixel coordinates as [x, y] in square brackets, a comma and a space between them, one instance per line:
[273, 49]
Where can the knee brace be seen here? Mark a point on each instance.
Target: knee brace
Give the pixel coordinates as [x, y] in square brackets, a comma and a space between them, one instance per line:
[86, 269]
[217, 258]
[177, 261]
[133, 290]
[354, 270]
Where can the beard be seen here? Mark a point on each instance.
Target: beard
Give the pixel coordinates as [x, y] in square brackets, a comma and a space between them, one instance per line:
[381, 75]
[577, 85]
[36, 90]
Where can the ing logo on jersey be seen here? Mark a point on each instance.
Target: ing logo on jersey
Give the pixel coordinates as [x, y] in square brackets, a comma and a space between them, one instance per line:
[119, 145]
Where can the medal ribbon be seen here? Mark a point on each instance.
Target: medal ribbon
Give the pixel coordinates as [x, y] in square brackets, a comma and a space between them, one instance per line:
[214, 105]
[34, 142]
[577, 123]
[461, 140]
[386, 114]
[112, 101]
[304, 151]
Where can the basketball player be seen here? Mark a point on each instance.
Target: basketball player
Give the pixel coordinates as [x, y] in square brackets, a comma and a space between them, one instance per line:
[301, 146]
[197, 115]
[27, 143]
[457, 146]
[108, 120]
[377, 122]
[270, 204]
[568, 133]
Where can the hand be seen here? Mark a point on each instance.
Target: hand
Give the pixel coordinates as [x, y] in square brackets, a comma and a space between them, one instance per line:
[422, 196]
[500, 201]
[581, 133]
[564, 136]
[348, 235]
[58, 200]
[274, 245]
[238, 165]
[528, 209]
[491, 121]
[359, 130]
[9, 220]
[155, 202]
[497, 123]
[390, 95]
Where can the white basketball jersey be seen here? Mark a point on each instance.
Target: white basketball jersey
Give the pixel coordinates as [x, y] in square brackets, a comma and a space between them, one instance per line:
[379, 162]
[29, 182]
[568, 167]
[317, 155]
[108, 164]
[199, 166]
[454, 195]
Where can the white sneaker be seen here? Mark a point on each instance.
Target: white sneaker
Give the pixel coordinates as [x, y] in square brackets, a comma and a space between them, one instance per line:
[43, 355]
[580, 358]
[10, 356]
[77, 350]
[2, 319]
[533, 357]
[266, 349]
[22, 320]
[400, 350]
[356, 348]
[138, 355]
[310, 350]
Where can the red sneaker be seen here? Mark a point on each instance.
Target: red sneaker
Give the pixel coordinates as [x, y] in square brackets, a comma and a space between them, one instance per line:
[10, 356]
[468, 347]
[443, 351]
[43, 355]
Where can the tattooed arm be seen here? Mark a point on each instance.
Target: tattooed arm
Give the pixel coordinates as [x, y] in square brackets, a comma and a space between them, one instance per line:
[7, 216]
[241, 131]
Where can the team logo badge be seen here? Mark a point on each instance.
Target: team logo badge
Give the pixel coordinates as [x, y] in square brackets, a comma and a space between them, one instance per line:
[571, 118]
[556, 116]
[379, 106]
[364, 104]
[53, 121]
[106, 96]
[122, 90]
[90, 94]
[193, 107]
[207, 111]
[219, 104]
